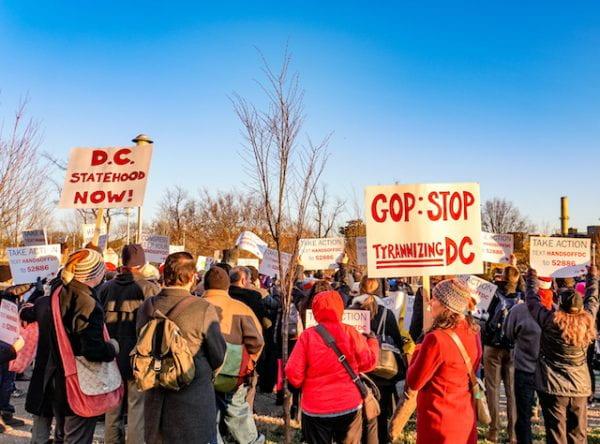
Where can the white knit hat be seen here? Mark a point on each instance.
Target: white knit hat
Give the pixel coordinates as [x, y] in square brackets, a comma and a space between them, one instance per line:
[83, 265]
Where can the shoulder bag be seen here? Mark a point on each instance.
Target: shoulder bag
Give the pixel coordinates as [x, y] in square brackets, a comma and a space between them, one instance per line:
[477, 387]
[93, 388]
[371, 407]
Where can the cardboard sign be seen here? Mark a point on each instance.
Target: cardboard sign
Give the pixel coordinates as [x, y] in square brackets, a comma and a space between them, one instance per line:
[156, 248]
[497, 248]
[482, 291]
[29, 263]
[87, 232]
[246, 262]
[269, 266]
[9, 322]
[559, 257]
[361, 251]
[423, 229]
[359, 319]
[321, 253]
[248, 241]
[34, 237]
[176, 248]
[106, 177]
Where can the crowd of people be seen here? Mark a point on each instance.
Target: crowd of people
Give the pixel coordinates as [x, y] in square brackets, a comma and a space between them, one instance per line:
[189, 350]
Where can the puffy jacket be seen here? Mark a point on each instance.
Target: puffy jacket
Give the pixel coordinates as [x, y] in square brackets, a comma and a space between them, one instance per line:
[562, 369]
[327, 389]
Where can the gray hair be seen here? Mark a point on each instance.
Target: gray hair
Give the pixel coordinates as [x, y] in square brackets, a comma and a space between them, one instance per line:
[237, 274]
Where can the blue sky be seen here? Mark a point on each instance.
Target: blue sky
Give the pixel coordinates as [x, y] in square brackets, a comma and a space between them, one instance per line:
[500, 93]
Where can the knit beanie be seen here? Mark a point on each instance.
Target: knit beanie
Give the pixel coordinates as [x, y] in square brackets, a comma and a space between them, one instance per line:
[84, 265]
[570, 301]
[216, 279]
[453, 294]
[133, 255]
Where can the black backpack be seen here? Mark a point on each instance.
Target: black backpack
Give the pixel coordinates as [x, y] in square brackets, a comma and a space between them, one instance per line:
[493, 327]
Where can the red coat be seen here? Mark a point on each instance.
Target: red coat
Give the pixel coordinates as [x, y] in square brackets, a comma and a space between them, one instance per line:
[314, 367]
[445, 410]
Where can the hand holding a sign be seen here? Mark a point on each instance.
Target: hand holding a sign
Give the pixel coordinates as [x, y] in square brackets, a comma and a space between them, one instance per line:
[19, 344]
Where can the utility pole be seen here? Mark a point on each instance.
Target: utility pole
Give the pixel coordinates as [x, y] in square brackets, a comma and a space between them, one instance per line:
[140, 140]
[564, 216]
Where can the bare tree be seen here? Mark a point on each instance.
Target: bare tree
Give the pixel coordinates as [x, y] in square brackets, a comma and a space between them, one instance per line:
[325, 214]
[502, 216]
[24, 196]
[285, 174]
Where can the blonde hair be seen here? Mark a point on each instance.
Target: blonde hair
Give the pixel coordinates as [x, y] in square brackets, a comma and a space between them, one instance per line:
[368, 285]
[576, 329]
[450, 319]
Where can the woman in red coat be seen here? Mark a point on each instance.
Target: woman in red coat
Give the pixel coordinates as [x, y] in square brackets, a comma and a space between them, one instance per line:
[445, 408]
[331, 402]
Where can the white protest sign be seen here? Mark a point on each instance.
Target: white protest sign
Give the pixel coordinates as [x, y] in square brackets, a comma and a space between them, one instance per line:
[248, 241]
[481, 290]
[106, 177]
[359, 319]
[9, 322]
[203, 263]
[497, 248]
[423, 229]
[34, 237]
[111, 256]
[361, 251]
[408, 312]
[269, 266]
[246, 262]
[321, 253]
[29, 263]
[156, 248]
[176, 248]
[559, 257]
[394, 300]
[87, 232]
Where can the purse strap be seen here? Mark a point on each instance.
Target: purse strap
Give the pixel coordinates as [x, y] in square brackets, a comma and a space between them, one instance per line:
[381, 325]
[330, 342]
[64, 345]
[465, 356]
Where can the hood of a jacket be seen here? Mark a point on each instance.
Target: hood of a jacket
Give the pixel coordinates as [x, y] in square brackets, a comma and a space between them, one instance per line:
[327, 306]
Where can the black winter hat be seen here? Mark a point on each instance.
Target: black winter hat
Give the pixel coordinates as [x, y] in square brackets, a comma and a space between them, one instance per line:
[570, 301]
[133, 255]
[216, 279]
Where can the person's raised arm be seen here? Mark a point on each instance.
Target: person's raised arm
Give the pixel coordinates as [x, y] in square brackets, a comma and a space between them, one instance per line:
[590, 302]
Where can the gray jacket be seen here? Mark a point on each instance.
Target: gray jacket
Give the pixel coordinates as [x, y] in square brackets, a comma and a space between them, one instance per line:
[524, 332]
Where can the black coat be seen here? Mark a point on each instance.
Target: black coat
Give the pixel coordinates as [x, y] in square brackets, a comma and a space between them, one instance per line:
[121, 298]
[7, 353]
[562, 368]
[252, 299]
[83, 320]
[39, 312]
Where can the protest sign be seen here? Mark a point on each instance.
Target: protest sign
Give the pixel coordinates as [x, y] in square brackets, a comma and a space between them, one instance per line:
[497, 248]
[269, 265]
[408, 312]
[359, 319]
[34, 237]
[111, 256]
[106, 177]
[176, 248]
[361, 251]
[321, 253]
[9, 322]
[559, 257]
[394, 300]
[87, 232]
[481, 290]
[423, 229]
[248, 241]
[29, 263]
[203, 263]
[246, 262]
[155, 247]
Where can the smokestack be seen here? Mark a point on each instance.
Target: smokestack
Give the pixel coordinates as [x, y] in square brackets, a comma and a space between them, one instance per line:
[564, 216]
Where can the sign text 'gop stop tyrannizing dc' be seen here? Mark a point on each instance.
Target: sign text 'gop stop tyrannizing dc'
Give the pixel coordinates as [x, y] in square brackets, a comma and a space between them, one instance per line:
[423, 229]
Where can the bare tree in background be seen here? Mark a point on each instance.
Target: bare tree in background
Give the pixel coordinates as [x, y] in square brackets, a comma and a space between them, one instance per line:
[325, 213]
[502, 216]
[24, 195]
[284, 174]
